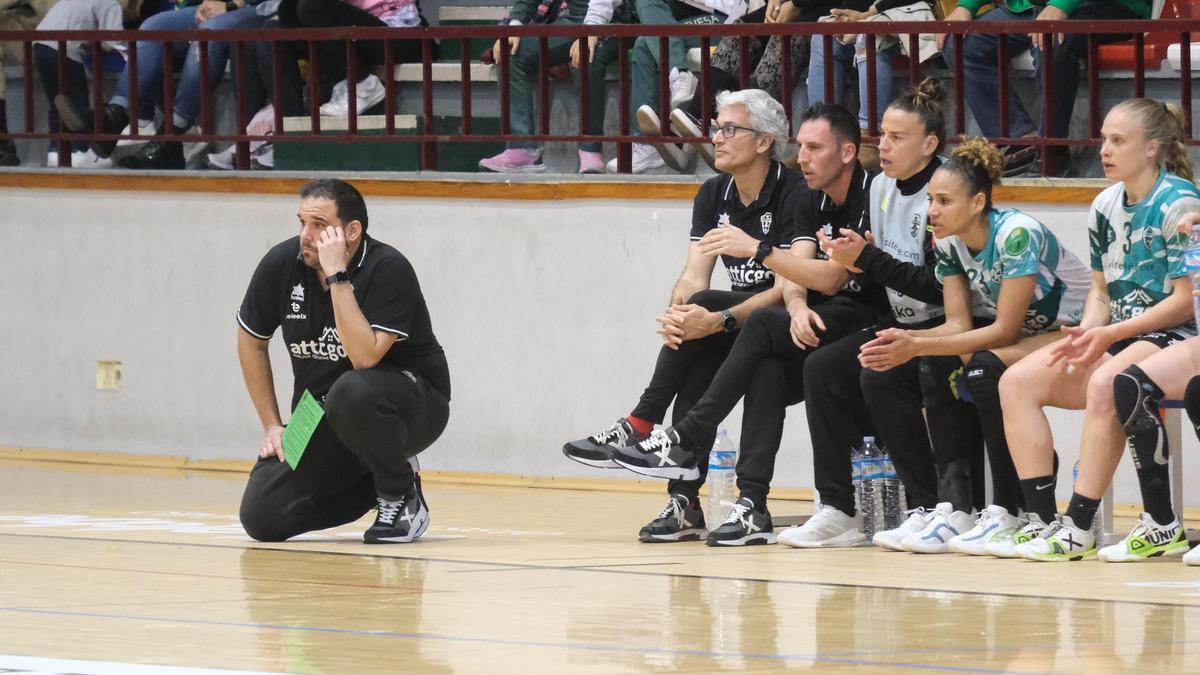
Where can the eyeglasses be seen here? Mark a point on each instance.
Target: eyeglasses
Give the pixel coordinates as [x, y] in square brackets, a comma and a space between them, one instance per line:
[728, 130]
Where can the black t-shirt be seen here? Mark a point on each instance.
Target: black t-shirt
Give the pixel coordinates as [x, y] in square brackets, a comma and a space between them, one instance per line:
[768, 218]
[817, 212]
[286, 292]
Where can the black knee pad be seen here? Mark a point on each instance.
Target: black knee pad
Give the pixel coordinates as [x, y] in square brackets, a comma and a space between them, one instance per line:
[1136, 398]
[940, 378]
[983, 378]
[1191, 403]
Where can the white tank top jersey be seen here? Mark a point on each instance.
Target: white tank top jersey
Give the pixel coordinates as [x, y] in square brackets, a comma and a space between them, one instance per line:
[901, 228]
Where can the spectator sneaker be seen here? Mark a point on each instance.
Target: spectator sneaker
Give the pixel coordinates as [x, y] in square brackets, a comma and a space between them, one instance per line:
[591, 162]
[683, 87]
[80, 159]
[1148, 539]
[945, 524]
[746, 525]
[1018, 159]
[223, 160]
[114, 119]
[515, 160]
[683, 125]
[1059, 542]
[145, 130]
[673, 156]
[263, 157]
[156, 155]
[8, 154]
[995, 521]
[660, 455]
[645, 158]
[827, 528]
[680, 520]
[917, 519]
[1029, 526]
[596, 450]
[402, 521]
[367, 94]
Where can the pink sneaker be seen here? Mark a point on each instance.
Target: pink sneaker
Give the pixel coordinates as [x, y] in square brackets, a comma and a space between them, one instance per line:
[591, 162]
[515, 160]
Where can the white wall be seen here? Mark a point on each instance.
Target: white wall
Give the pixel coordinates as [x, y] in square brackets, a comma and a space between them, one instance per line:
[545, 310]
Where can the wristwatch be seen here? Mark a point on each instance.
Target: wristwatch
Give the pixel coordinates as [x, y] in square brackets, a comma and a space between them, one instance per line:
[728, 321]
[337, 278]
[764, 250]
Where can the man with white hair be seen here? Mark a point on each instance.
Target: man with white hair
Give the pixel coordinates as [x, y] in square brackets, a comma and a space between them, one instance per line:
[755, 195]
[765, 366]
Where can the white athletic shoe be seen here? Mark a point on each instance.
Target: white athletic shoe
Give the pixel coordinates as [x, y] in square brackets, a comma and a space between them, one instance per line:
[1029, 526]
[1147, 540]
[645, 157]
[945, 524]
[683, 87]
[1192, 557]
[367, 93]
[673, 155]
[827, 528]
[917, 519]
[1061, 541]
[995, 521]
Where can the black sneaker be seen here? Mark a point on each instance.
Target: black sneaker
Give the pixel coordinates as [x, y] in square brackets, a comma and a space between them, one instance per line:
[8, 154]
[156, 155]
[745, 526]
[113, 121]
[400, 522]
[1018, 159]
[680, 520]
[595, 450]
[661, 455]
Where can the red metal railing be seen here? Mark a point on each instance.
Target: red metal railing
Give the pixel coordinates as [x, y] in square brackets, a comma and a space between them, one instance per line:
[626, 34]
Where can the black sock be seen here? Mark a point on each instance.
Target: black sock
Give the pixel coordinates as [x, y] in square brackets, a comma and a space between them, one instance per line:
[3, 116]
[1082, 510]
[1136, 397]
[1039, 496]
[983, 380]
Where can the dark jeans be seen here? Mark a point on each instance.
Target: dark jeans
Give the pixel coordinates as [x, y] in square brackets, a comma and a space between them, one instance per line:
[683, 375]
[982, 83]
[375, 420]
[846, 402]
[45, 59]
[766, 368]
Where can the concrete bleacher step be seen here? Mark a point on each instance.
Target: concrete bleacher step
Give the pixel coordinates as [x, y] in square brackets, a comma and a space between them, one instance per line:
[446, 71]
[381, 156]
[483, 15]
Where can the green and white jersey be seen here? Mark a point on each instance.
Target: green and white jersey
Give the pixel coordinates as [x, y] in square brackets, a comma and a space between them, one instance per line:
[1019, 246]
[1139, 248]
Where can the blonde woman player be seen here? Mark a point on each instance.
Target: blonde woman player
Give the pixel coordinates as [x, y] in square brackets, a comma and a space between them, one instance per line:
[1139, 304]
[1006, 273]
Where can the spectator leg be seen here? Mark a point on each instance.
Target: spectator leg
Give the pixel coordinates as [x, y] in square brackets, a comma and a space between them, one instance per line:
[151, 62]
[883, 82]
[187, 93]
[981, 83]
[842, 56]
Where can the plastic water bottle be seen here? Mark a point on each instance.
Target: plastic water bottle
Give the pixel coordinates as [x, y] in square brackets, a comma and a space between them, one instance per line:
[871, 496]
[856, 473]
[893, 495]
[1191, 258]
[722, 478]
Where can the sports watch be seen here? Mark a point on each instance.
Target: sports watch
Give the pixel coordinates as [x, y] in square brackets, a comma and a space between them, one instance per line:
[764, 250]
[728, 321]
[337, 278]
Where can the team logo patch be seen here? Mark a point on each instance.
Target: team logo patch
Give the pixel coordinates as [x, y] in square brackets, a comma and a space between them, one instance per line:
[723, 220]
[765, 221]
[915, 228]
[1148, 239]
[298, 293]
[1017, 241]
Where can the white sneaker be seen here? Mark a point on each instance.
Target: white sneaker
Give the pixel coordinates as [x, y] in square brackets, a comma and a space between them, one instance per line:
[945, 524]
[1147, 540]
[995, 521]
[1029, 526]
[1061, 541]
[917, 519]
[828, 527]
[367, 93]
[1192, 557]
[224, 159]
[145, 131]
[683, 87]
[673, 155]
[80, 159]
[645, 157]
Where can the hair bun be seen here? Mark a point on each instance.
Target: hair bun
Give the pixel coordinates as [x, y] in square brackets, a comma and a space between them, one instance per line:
[930, 91]
[979, 152]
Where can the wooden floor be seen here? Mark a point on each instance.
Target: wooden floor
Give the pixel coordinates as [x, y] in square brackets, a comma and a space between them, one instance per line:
[113, 567]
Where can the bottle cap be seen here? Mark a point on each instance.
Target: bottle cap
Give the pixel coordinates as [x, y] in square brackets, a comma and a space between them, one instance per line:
[868, 439]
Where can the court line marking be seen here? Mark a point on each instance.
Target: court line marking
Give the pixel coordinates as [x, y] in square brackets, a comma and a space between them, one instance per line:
[583, 646]
[790, 582]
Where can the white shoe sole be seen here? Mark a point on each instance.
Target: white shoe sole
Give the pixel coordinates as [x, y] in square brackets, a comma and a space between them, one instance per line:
[844, 540]
[695, 534]
[685, 128]
[1119, 557]
[748, 540]
[674, 157]
[533, 168]
[667, 472]
[594, 463]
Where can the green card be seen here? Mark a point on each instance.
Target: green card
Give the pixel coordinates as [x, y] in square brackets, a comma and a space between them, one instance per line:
[300, 428]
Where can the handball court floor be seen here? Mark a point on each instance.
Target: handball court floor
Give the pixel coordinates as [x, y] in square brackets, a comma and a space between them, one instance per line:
[124, 570]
